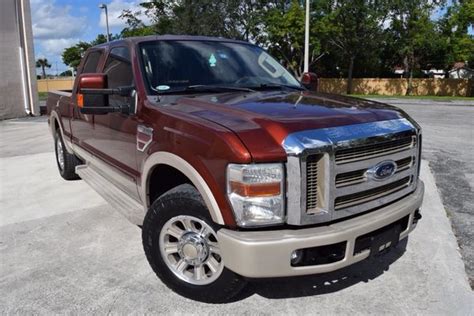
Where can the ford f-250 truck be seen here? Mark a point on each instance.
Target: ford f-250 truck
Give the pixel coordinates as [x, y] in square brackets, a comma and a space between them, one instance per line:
[231, 167]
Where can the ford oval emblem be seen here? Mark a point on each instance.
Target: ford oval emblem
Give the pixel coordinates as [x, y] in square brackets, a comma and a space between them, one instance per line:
[383, 170]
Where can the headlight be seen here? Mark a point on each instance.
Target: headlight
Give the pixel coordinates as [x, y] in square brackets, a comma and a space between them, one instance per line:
[256, 193]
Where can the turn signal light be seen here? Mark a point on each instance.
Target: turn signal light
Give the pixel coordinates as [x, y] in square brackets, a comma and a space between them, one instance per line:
[80, 100]
[261, 189]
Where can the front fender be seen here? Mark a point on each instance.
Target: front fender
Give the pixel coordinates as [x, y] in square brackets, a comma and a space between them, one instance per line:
[172, 160]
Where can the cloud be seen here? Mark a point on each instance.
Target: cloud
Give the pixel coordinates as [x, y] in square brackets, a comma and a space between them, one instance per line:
[56, 46]
[54, 21]
[115, 9]
[55, 28]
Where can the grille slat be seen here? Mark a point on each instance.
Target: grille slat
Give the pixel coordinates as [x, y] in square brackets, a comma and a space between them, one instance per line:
[372, 194]
[364, 152]
[312, 183]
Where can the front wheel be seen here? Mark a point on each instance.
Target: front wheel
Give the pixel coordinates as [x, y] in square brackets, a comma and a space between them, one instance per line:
[181, 245]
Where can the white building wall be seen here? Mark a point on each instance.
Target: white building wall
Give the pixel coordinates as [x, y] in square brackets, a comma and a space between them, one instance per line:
[18, 90]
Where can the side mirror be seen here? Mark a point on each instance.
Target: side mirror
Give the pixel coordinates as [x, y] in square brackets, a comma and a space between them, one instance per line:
[93, 95]
[310, 81]
[92, 103]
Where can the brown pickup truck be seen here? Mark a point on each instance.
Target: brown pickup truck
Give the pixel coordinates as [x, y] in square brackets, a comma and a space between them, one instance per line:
[232, 168]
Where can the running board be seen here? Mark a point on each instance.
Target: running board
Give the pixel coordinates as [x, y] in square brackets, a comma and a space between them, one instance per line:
[117, 198]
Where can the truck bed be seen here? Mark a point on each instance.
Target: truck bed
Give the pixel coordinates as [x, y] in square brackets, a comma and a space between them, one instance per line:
[54, 97]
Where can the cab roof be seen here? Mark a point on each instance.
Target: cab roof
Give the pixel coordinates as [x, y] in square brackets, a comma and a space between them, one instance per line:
[140, 39]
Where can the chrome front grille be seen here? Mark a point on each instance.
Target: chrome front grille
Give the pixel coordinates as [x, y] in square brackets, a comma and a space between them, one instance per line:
[356, 190]
[330, 171]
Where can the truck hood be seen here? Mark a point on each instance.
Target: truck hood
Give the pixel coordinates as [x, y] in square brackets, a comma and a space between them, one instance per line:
[262, 120]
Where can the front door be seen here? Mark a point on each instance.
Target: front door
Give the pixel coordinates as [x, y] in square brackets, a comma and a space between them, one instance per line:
[82, 125]
[115, 133]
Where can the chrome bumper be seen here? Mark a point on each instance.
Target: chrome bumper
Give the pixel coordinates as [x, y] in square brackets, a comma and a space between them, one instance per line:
[259, 254]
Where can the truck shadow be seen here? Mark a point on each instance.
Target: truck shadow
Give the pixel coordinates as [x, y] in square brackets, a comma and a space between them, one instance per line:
[312, 285]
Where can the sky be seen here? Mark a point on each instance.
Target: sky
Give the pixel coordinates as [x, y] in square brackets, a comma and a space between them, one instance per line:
[58, 24]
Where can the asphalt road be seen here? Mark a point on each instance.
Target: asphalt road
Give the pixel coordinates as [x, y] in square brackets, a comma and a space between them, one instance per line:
[448, 145]
[63, 250]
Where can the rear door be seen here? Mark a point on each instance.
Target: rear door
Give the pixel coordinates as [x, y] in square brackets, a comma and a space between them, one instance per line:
[82, 125]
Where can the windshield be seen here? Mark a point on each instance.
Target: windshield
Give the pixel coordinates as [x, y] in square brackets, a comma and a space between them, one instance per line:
[173, 66]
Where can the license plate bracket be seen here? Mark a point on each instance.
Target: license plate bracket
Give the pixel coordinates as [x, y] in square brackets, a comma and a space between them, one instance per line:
[385, 240]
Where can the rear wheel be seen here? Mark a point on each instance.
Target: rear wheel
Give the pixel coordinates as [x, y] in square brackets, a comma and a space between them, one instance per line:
[181, 245]
[66, 162]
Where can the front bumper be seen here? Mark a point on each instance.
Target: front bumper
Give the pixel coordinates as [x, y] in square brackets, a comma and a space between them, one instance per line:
[260, 254]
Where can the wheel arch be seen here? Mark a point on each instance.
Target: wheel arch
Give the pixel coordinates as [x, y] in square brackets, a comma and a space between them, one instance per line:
[55, 124]
[171, 160]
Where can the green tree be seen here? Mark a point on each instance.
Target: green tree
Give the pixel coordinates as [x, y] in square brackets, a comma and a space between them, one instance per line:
[351, 30]
[43, 64]
[284, 29]
[455, 26]
[204, 17]
[226, 18]
[101, 38]
[248, 17]
[66, 73]
[72, 56]
[412, 33]
[135, 27]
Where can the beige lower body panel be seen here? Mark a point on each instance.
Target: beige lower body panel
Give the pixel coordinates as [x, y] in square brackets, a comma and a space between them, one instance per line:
[260, 254]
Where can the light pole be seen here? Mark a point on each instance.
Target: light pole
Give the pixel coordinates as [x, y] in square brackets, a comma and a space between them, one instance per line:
[104, 6]
[306, 39]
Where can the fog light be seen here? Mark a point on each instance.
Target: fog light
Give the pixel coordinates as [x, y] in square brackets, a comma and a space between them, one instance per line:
[296, 257]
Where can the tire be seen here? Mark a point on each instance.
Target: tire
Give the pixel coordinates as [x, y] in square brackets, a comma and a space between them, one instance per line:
[198, 281]
[65, 161]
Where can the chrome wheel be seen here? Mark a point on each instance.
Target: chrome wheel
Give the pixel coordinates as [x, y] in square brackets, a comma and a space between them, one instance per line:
[60, 154]
[189, 248]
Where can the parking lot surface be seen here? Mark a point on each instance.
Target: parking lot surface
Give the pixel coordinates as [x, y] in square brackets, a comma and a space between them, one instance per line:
[64, 250]
[448, 145]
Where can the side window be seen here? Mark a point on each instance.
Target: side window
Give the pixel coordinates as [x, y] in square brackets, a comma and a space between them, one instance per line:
[90, 66]
[118, 69]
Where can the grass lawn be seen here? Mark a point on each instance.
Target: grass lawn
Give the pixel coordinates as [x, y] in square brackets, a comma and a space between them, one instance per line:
[42, 96]
[420, 97]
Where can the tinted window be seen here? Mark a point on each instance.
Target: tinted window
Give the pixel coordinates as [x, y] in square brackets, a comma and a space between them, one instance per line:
[119, 73]
[92, 61]
[173, 65]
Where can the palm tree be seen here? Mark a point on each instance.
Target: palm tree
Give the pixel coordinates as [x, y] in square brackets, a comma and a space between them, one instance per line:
[43, 63]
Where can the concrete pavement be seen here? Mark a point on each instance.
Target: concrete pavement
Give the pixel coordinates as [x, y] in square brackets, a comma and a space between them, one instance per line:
[448, 144]
[63, 250]
[430, 102]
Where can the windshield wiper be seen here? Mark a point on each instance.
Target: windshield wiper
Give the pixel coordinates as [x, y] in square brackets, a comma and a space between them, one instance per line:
[272, 86]
[207, 88]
